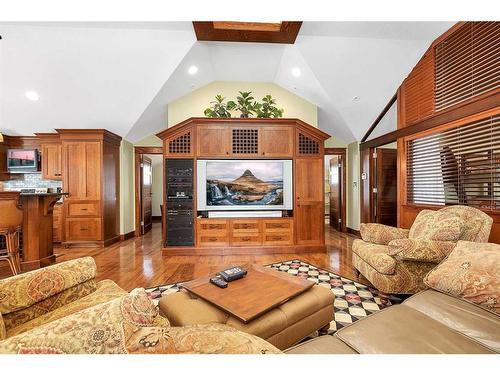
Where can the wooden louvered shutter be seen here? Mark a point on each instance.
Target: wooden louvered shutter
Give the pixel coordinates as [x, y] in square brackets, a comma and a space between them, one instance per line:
[419, 91]
[467, 63]
[457, 166]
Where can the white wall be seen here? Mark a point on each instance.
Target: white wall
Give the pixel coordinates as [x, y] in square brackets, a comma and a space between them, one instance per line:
[127, 197]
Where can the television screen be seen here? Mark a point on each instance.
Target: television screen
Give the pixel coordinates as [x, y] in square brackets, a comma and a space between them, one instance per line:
[244, 184]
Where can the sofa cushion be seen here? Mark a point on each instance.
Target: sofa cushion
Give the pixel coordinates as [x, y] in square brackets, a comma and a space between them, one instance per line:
[195, 339]
[24, 290]
[106, 291]
[377, 256]
[437, 225]
[471, 272]
[462, 316]
[404, 330]
[98, 329]
[3, 331]
[477, 223]
[321, 345]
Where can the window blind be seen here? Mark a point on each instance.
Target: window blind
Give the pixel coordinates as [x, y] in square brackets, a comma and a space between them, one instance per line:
[457, 166]
[467, 63]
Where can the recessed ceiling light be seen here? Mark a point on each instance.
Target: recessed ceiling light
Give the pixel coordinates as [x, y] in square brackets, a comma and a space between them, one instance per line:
[32, 95]
[193, 69]
[296, 72]
[355, 98]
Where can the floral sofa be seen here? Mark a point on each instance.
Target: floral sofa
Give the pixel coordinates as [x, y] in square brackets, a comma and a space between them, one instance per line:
[396, 260]
[62, 309]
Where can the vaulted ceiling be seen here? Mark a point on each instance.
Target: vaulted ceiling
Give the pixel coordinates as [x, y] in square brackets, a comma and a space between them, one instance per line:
[121, 76]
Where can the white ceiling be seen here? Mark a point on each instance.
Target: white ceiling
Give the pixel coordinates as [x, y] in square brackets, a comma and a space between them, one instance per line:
[121, 76]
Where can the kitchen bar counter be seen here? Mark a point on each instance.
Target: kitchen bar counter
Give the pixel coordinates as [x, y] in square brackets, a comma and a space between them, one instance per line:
[37, 229]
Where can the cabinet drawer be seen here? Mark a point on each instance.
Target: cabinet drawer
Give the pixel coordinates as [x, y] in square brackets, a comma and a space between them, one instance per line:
[246, 239]
[285, 238]
[83, 229]
[211, 226]
[208, 240]
[278, 225]
[245, 226]
[79, 209]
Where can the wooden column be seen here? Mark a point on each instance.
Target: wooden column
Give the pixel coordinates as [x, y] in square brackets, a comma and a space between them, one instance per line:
[37, 230]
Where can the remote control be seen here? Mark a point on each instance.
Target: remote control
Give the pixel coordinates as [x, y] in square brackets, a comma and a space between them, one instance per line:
[232, 274]
[217, 281]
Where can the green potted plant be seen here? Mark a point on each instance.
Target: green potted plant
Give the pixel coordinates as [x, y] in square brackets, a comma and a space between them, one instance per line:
[267, 108]
[245, 104]
[219, 108]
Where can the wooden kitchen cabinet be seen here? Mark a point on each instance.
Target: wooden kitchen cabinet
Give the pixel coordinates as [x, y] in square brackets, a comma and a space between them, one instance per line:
[51, 161]
[91, 170]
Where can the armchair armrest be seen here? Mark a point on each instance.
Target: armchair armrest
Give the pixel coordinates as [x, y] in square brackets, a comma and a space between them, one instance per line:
[30, 288]
[381, 234]
[420, 250]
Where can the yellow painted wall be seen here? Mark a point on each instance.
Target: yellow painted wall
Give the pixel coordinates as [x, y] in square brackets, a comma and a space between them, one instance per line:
[150, 141]
[127, 198]
[335, 142]
[193, 104]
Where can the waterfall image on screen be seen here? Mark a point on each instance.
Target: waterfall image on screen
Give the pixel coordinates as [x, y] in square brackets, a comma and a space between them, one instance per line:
[244, 183]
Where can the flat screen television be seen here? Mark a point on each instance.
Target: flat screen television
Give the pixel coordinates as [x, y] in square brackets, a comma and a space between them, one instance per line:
[244, 185]
[22, 160]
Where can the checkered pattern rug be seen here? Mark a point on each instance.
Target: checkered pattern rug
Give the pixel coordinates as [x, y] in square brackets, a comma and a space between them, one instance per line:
[353, 301]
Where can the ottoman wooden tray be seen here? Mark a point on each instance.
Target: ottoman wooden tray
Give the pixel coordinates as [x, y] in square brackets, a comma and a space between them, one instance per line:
[280, 308]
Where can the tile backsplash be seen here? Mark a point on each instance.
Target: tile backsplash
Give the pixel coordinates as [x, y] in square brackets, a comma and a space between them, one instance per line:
[31, 180]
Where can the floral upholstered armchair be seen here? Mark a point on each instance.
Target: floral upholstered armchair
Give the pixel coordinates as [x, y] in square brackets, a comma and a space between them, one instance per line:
[396, 260]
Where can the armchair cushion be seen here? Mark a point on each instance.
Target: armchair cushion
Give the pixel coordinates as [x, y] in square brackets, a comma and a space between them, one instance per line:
[25, 290]
[437, 225]
[381, 234]
[471, 272]
[377, 256]
[420, 250]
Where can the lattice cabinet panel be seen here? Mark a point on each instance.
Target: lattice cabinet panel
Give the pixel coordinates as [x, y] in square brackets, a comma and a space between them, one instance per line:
[245, 141]
[308, 145]
[181, 144]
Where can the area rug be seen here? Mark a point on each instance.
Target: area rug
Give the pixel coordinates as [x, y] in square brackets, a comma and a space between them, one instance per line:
[353, 300]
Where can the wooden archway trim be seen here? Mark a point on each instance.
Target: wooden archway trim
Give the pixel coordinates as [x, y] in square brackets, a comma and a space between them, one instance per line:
[341, 152]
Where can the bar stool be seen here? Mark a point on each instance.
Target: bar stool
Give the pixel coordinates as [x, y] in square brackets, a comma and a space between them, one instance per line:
[11, 219]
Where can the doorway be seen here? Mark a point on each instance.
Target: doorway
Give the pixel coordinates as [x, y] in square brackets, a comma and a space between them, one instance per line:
[335, 188]
[385, 185]
[148, 188]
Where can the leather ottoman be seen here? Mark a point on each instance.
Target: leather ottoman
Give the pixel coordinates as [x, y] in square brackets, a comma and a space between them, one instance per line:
[282, 326]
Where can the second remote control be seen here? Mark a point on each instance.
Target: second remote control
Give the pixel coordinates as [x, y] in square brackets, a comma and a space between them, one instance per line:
[218, 282]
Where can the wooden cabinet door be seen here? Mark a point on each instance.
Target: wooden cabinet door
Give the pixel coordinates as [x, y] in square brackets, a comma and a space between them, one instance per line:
[309, 180]
[213, 141]
[244, 141]
[57, 223]
[309, 223]
[83, 170]
[276, 141]
[51, 161]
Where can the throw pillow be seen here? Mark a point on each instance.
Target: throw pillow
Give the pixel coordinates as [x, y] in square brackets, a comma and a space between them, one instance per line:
[437, 226]
[470, 272]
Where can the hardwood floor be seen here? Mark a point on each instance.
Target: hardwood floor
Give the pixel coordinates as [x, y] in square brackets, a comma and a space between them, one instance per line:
[137, 262]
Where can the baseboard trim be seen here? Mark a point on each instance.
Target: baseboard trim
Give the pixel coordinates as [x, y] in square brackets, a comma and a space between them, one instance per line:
[353, 231]
[127, 236]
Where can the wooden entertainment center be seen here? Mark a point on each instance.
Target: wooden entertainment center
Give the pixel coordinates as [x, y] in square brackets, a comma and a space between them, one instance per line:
[300, 229]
